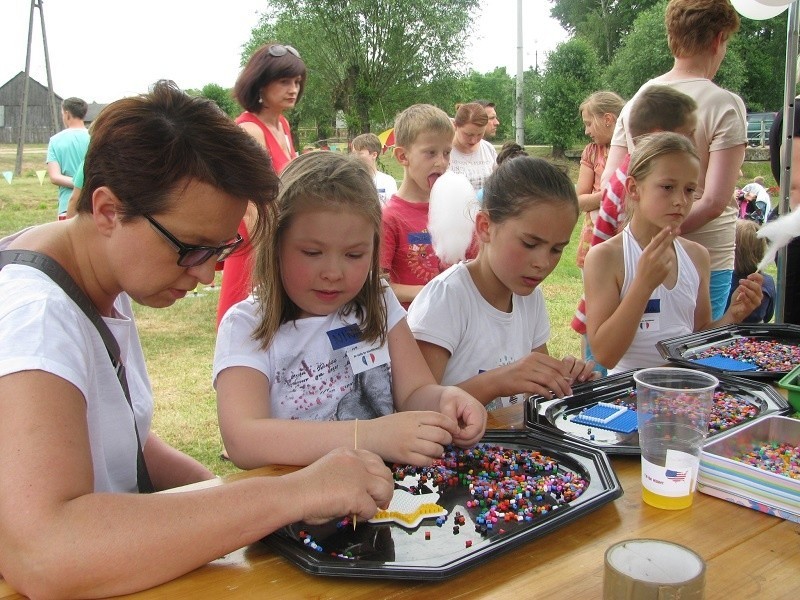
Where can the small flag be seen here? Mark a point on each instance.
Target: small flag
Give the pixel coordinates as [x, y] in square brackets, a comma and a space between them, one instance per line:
[40, 174]
[676, 476]
[8, 175]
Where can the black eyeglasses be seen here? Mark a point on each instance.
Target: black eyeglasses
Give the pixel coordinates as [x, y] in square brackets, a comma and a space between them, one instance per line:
[278, 50]
[191, 255]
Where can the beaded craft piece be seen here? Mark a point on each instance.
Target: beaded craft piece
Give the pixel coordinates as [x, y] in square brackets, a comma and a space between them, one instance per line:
[728, 411]
[409, 510]
[763, 355]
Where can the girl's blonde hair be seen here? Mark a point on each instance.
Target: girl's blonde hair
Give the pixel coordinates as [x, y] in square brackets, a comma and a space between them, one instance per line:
[313, 182]
[651, 147]
[601, 103]
[749, 247]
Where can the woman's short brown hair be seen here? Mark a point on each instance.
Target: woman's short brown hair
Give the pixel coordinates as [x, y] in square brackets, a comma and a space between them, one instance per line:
[693, 24]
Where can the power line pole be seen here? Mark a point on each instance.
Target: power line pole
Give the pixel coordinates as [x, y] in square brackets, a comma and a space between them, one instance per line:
[520, 133]
[53, 110]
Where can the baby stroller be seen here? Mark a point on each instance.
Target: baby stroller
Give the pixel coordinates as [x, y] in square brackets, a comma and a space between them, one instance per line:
[750, 208]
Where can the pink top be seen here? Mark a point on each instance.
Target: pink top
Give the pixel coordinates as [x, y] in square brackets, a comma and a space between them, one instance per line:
[236, 272]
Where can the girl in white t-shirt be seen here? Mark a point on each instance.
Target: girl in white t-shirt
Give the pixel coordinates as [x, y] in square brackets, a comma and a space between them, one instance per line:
[647, 284]
[483, 325]
[321, 356]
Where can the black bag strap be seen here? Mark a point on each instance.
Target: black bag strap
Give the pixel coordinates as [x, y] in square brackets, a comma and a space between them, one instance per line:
[57, 273]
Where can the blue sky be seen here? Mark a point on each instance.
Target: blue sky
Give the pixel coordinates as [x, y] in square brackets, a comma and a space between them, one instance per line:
[101, 50]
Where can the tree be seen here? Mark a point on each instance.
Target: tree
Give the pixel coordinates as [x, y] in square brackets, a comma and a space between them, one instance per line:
[644, 54]
[496, 86]
[369, 57]
[222, 98]
[762, 47]
[572, 74]
[602, 23]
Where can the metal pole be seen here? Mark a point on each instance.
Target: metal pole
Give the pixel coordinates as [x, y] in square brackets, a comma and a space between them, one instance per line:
[786, 148]
[23, 124]
[53, 108]
[520, 133]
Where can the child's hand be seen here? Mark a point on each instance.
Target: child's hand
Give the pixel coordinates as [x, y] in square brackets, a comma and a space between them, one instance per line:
[414, 437]
[580, 371]
[747, 297]
[343, 482]
[657, 259]
[537, 373]
[467, 412]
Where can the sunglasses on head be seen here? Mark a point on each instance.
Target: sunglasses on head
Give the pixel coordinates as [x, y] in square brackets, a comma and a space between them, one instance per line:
[191, 255]
[278, 50]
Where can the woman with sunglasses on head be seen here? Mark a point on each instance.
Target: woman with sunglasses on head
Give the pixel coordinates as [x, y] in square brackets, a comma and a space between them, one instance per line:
[167, 182]
[271, 83]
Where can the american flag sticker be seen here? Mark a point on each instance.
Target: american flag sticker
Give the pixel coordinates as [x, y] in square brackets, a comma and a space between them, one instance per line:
[676, 476]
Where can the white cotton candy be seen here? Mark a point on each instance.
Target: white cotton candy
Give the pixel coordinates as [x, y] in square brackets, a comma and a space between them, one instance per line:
[779, 233]
[451, 216]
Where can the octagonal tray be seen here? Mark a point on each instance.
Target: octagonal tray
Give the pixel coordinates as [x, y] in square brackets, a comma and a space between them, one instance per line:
[557, 414]
[388, 550]
[684, 350]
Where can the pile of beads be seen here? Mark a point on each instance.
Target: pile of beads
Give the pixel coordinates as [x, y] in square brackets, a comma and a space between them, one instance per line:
[729, 411]
[765, 355]
[779, 458]
[505, 485]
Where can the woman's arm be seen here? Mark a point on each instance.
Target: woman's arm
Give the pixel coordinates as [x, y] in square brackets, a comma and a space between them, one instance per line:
[721, 176]
[59, 539]
[616, 154]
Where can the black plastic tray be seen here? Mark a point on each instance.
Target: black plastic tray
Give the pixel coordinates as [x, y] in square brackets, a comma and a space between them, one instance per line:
[680, 350]
[548, 415]
[390, 551]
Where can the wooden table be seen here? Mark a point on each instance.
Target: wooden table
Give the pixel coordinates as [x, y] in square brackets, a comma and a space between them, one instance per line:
[749, 555]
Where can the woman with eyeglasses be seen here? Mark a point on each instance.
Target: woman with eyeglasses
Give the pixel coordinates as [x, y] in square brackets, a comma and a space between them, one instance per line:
[271, 83]
[167, 181]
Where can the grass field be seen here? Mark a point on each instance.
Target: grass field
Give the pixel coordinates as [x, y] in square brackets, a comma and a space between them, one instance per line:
[179, 341]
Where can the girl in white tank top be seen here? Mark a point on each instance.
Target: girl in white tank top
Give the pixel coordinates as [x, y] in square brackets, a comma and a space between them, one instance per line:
[647, 284]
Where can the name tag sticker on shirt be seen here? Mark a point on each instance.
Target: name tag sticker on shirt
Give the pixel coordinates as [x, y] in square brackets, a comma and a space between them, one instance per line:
[367, 356]
[653, 306]
[421, 237]
[344, 336]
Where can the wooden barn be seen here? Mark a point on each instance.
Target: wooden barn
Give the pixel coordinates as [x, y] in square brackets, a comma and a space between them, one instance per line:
[40, 126]
[40, 122]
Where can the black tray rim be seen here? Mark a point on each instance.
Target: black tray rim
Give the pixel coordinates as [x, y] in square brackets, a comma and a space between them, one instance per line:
[321, 564]
[536, 405]
[669, 348]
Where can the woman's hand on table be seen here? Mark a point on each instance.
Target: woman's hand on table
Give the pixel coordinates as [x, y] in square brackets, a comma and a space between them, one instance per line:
[343, 482]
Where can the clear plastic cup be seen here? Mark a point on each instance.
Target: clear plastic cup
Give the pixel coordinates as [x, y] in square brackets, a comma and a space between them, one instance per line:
[673, 407]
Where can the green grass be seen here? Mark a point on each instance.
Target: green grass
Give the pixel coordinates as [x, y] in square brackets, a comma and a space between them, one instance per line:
[178, 341]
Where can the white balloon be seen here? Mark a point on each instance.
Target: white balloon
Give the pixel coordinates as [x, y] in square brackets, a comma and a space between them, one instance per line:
[775, 2]
[753, 9]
